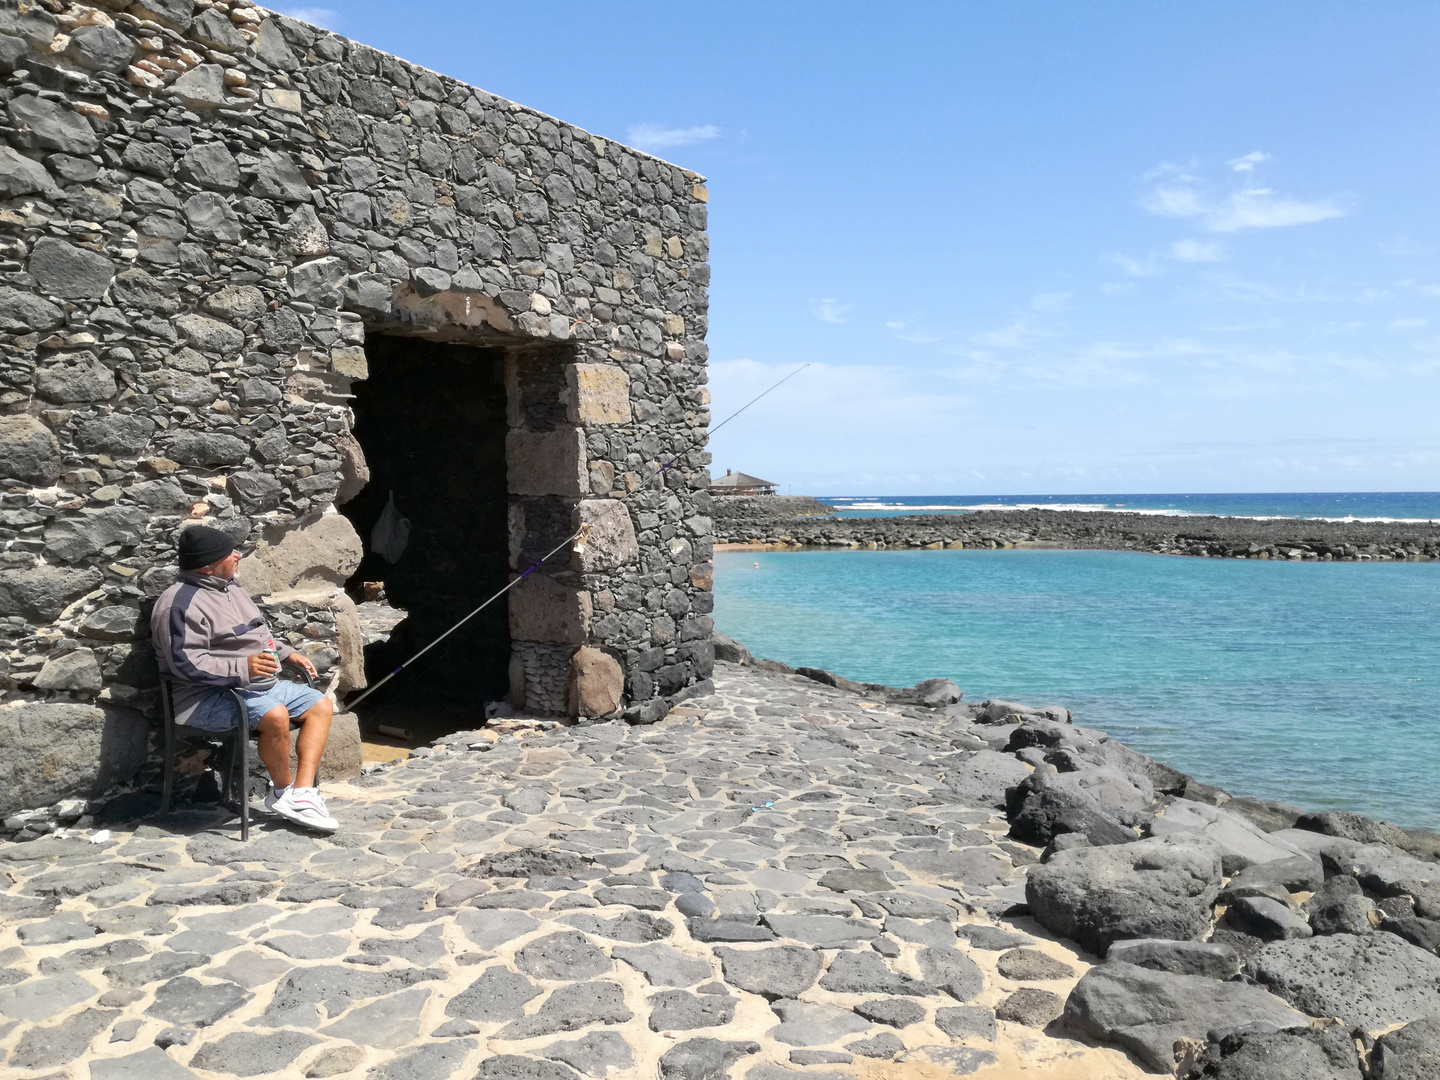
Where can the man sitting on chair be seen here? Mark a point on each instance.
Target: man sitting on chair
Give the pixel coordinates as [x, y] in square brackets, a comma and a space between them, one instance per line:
[210, 638]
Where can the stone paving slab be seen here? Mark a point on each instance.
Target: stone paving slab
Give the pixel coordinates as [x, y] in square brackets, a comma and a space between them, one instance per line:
[777, 880]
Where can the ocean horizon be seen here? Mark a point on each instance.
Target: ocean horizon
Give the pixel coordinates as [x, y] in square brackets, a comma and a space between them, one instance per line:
[1373, 506]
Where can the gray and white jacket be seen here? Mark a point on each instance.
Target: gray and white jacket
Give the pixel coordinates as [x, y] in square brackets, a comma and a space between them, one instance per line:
[205, 629]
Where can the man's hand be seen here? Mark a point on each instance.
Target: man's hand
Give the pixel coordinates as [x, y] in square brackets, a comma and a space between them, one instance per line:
[304, 662]
[262, 666]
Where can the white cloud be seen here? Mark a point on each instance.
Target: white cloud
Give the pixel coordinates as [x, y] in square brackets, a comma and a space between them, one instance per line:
[1157, 263]
[1248, 162]
[1216, 287]
[831, 311]
[1133, 267]
[1261, 208]
[1408, 324]
[1018, 335]
[1118, 288]
[1180, 193]
[1195, 251]
[656, 137]
[908, 328]
[327, 18]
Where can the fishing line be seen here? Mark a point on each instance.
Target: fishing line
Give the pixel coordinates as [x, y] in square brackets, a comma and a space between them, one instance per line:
[580, 534]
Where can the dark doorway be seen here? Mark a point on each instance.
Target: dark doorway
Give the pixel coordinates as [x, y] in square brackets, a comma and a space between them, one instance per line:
[431, 420]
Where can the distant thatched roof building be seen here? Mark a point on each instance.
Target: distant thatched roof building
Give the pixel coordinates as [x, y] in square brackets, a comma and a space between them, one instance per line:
[739, 483]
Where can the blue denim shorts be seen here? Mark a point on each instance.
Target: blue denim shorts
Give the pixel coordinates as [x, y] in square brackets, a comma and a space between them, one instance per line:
[217, 712]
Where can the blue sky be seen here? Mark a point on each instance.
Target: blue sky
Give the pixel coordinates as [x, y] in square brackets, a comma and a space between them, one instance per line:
[1027, 247]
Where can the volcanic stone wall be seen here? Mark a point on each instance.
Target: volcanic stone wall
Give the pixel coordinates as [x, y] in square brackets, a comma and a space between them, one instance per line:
[204, 209]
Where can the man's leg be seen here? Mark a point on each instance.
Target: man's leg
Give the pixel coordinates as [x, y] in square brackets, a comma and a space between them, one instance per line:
[274, 731]
[314, 731]
[303, 803]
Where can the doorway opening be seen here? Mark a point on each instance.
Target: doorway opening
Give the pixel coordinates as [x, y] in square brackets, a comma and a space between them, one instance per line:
[431, 421]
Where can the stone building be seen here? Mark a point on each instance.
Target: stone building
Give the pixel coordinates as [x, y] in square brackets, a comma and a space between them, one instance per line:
[258, 276]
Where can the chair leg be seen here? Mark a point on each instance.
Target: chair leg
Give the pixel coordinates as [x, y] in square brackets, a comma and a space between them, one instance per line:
[243, 734]
[240, 759]
[168, 720]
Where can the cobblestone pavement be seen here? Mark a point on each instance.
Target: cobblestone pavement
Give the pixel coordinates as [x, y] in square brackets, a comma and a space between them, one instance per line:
[779, 880]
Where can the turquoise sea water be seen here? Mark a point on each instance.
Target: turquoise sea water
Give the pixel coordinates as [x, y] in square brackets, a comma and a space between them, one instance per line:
[1314, 683]
[1361, 505]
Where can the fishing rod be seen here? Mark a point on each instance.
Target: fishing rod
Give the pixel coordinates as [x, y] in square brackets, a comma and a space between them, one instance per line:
[578, 537]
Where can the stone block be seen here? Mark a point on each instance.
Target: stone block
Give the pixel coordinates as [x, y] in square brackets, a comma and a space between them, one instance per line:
[236, 303]
[77, 671]
[28, 451]
[100, 48]
[24, 311]
[207, 448]
[57, 751]
[542, 609]
[320, 281]
[20, 175]
[305, 235]
[201, 87]
[349, 362]
[68, 271]
[210, 165]
[119, 434]
[611, 542]
[354, 470]
[285, 100]
[277, 177]
[210, 335]
[72, 538]
[318, 551]
[12, 53]
[546, 462]
[43, 124]
[42, 592]
[77, 376]
[176, 14]
[272, 48]
[351, 640]
[213, 29]
[597, 394]
[597, 683]
[343, 754]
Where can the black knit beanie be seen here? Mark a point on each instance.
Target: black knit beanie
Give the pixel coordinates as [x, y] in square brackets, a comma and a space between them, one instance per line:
[200, 546]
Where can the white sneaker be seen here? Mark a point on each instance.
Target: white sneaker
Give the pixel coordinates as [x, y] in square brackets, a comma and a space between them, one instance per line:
[304, 806]
[272, 795]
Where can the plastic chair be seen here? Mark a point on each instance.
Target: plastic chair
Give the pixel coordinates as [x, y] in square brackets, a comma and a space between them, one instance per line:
[239, 758]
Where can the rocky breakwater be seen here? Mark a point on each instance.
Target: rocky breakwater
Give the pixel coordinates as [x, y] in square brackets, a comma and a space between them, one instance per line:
[755, 515]
[1240, 938]
[775, 522]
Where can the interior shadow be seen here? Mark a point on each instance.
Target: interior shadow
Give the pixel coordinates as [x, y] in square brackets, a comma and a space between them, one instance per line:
[431, 421]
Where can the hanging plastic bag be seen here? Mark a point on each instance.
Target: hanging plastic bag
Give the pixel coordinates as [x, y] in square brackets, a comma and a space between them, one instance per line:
[391, 534]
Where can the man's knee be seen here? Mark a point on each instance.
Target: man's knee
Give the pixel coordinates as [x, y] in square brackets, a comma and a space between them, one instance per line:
[275, 720]
[321, 710]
